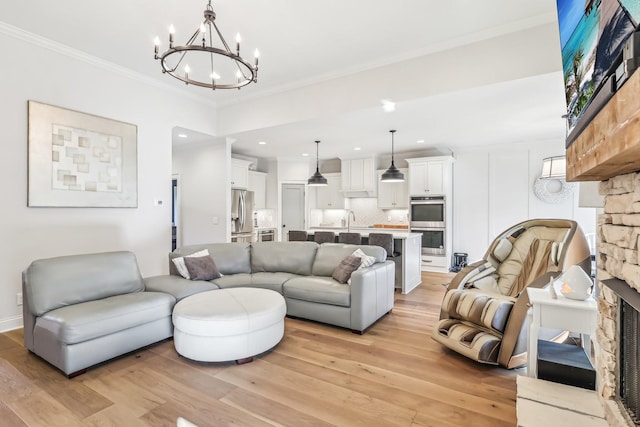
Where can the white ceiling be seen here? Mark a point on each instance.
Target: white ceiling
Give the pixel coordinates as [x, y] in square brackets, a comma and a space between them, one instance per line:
[305, 42]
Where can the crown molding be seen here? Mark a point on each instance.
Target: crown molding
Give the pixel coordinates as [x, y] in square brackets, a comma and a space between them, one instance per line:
[36, 40]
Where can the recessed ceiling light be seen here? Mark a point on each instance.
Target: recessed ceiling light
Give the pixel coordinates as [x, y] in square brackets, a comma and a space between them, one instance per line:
[356, 148]
[182, 135]
[388, 105]
[305, 154]
[420, 141]
[262, 143]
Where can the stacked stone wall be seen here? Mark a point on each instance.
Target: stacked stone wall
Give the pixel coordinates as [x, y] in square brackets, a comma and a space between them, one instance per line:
[618, 233]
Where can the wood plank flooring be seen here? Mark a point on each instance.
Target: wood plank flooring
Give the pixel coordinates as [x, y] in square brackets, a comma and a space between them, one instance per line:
[319, 375]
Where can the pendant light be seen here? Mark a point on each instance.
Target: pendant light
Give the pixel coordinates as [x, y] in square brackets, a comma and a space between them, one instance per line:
[392, 174]
[317, 180]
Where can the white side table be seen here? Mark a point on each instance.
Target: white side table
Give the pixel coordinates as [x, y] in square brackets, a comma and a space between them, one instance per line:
[561, 313]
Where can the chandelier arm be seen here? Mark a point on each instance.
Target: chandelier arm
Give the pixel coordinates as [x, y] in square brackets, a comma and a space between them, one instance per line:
[213, 83]
[224, 43]
[226, 46]
[193, 37]
[189, 42]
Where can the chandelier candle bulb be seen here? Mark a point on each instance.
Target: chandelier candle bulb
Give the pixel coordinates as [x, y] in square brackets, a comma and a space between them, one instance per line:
[172, 31]
[256, 54]
[156, 42]
[238, 40]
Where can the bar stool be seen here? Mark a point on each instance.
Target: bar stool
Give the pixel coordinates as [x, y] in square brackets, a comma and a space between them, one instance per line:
[324, 237]
[350, 238]
[386, 241]
[297, 236]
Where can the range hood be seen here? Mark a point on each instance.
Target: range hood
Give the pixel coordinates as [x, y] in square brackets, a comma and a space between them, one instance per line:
[359, 177]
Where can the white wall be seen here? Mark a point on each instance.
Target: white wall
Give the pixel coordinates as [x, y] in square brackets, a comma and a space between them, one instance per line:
[204, 217]
[52, 74]
[493, 189]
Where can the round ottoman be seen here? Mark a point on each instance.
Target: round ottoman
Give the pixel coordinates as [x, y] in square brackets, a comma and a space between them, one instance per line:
[228, 324]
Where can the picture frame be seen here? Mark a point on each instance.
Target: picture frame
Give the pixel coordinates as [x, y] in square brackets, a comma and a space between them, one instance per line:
[77, 159]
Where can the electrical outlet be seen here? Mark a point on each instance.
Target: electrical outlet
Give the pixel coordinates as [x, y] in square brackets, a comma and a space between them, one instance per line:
[19, 298]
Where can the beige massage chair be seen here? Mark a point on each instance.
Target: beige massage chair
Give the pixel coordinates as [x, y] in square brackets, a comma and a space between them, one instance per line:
[484, 311]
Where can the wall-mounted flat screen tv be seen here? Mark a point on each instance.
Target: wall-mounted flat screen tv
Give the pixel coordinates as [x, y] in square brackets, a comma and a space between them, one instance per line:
[592, 35]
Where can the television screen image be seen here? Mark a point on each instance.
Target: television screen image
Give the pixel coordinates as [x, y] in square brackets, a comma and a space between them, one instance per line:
[592, 35]
[633, 7]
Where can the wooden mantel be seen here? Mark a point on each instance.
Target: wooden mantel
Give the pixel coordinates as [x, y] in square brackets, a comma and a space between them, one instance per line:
[610, 144]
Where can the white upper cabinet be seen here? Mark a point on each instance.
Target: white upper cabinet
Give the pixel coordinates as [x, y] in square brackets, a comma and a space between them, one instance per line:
[258, 184]
[330, 197]
[429, 176]
[240, 173]
[393, 195]
[359, 177]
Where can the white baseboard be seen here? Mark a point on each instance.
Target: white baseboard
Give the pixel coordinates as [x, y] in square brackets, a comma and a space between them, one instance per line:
[10, 323]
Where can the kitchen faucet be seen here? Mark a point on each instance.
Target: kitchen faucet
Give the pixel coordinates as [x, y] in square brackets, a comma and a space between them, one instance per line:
[349, 220]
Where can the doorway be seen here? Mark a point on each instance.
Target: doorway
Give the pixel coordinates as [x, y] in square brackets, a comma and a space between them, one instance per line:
[292, 209]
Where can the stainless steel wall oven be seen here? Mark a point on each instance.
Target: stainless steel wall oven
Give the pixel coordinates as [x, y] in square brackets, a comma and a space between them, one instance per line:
[427, 216]
[433, 240]
[427, 212]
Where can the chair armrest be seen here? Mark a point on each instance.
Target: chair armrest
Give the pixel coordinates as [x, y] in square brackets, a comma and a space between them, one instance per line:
[372, 292]
[515, 331]
[461, 278]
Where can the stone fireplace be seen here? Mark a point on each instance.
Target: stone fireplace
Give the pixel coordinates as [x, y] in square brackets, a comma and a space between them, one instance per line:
[608, 150]
[619, 286]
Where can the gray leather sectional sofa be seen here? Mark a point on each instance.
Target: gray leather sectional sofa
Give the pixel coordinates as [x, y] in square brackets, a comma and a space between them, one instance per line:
[81, 310]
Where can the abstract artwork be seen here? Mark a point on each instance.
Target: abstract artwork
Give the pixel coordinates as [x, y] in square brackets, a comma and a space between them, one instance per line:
[80, 160]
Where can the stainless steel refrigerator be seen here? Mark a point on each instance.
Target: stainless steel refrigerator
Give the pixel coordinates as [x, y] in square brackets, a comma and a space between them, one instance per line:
[241, 215]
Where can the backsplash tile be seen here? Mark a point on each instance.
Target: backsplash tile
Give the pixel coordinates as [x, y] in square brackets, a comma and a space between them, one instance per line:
[366, 212]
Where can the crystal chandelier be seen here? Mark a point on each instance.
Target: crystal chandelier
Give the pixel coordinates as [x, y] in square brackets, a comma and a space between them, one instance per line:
[199, 63]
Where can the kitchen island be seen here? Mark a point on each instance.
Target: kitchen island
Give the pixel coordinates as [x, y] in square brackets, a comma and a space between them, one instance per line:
[406, 244]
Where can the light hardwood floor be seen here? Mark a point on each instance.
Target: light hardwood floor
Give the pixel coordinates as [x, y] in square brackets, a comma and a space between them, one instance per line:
[393, 375]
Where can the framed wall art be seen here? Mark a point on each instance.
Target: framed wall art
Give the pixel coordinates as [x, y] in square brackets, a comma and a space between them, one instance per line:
[80, 160]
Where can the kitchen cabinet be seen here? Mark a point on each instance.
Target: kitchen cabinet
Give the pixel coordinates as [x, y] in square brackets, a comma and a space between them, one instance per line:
[330, 197]
[393, 195]
[258, 184]
[359, 177]
[240, 173]
[429, 176]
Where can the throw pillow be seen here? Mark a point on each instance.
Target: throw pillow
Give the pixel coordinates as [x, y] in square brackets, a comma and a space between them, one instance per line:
[367, 261]
[179, 262]
[342, 272]
[201, 268]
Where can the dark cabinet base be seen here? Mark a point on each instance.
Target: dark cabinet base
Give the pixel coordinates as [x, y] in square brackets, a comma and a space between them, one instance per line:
[566, 364]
